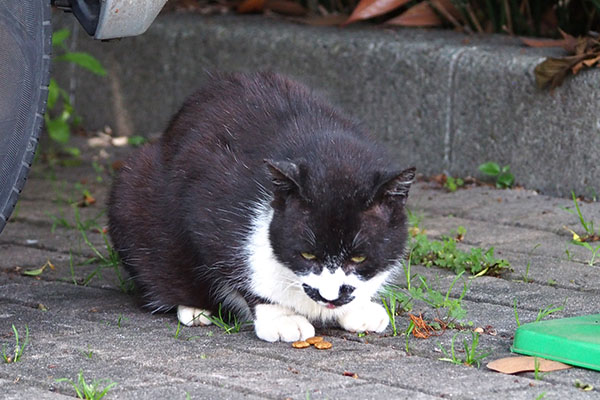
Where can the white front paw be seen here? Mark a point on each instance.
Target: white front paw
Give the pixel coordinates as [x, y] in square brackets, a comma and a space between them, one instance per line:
[275, 323]
[191, 316]
[363, 317]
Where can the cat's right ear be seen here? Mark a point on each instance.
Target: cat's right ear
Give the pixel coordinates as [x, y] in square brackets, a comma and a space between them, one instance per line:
[287, 178]
[285, 175]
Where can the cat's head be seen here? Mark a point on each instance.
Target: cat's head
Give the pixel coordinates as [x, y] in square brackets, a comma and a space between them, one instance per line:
[340, 232]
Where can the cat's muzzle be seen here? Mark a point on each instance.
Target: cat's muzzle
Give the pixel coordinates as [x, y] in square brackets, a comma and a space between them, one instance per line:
[344, 296]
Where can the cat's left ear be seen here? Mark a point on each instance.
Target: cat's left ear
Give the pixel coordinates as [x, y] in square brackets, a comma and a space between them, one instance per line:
[395, 187]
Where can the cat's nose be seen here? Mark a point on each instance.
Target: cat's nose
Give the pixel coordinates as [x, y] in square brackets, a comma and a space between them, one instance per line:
[343, 295]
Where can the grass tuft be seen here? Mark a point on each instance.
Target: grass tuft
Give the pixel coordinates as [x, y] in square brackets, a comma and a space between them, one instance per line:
[95, 390]
[19, 347]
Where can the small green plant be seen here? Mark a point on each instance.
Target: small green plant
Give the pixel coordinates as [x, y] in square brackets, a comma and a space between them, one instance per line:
[502, 175]
[19, 347]
[88, 353]
[588, 226]
[452, 184]
[111, 260]
[590, 236]
[536, 369]
[541, 396]
[396, 299]
[407, 332]
[177, 330]
[453, 307]
[446, 254]
[525, 277]
[60, 117]
[230, 324]
[121, 320]
[95, 390]
[542, 312]
[472, 354]
[516, 312]
[548, 310]
[390, 302]
[136, 140]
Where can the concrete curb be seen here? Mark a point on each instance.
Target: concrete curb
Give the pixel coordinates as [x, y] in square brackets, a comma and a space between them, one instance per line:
[443, 101]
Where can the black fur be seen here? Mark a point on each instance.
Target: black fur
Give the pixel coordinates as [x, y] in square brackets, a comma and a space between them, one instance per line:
[180, 210]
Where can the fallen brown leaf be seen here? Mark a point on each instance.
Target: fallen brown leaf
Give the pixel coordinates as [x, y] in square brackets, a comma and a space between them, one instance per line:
[251, 6]
[553, 71]
[514, 365]
[568, 42]
[421, 14]
[372, 8]
[422, 329]
[591, 61]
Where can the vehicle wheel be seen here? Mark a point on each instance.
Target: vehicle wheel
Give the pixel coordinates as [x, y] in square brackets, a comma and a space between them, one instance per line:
[25, 45]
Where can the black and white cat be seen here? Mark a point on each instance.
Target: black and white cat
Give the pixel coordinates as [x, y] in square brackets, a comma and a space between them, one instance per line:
[262, 198]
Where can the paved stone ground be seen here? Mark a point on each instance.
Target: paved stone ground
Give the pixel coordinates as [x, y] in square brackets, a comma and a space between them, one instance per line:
[100, 330]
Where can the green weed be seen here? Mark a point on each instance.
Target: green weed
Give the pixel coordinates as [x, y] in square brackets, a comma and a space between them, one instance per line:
[136, 140]
[390, 303]
[88, 353]
[95, 390]
[525, 277]
[110, 260]
[548, 310]
[407, 332]
[177, 330]
[121, 319]
[542, 312]
[452, 184]
[396, 299]
[229, 324]
[472, 354]
[503, 178]
[453, 307]
[536, 369]
[60, 117]
[590, 236]
[19, 347]
[445, 254]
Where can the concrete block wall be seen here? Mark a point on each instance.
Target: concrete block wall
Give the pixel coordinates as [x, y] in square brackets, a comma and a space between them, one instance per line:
[443, 101]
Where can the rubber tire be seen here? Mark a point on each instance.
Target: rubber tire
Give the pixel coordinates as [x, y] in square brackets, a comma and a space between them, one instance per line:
[25, 46]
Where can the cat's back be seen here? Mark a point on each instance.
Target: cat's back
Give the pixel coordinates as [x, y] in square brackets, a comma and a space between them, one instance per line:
[251, 115]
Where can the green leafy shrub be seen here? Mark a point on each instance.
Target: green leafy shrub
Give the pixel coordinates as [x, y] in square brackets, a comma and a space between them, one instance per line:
[60, 117]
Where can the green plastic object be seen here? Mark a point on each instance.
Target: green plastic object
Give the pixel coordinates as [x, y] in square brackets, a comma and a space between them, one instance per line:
[573, 341]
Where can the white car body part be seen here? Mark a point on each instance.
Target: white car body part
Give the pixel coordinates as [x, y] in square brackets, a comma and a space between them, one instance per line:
[120, 18]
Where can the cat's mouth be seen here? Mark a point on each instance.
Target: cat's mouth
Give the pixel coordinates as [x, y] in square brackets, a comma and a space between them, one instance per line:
[344, 298]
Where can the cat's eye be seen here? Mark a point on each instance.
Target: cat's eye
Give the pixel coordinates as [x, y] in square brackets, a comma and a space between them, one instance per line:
[358, 259]
[308, 256]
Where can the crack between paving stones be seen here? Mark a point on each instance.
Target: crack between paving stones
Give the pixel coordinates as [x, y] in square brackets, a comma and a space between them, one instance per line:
[46, 248]
[204, 381]
[518, 225]
[361, 380]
